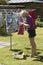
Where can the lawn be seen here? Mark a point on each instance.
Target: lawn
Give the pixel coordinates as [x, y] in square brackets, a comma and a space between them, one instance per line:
[22, 43]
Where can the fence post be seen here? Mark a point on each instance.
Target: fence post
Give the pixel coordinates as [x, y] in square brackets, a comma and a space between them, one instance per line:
[10, 42]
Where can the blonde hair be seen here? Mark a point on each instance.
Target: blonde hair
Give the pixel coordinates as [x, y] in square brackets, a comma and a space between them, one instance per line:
[23, 12]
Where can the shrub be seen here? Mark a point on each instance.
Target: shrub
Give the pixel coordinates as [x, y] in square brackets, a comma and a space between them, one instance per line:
[39, 23]
[3, 27]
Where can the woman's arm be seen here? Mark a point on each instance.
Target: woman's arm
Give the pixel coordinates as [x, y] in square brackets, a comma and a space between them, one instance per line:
[26, 25]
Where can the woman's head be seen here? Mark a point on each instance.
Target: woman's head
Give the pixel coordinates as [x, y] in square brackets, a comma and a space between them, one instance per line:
[24, 13]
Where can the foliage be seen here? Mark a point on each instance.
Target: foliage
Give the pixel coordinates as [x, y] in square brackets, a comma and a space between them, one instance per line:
[3, 27]
[3, 2]
[39, 23]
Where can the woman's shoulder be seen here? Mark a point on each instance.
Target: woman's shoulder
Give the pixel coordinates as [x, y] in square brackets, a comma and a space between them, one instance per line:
[30, 16]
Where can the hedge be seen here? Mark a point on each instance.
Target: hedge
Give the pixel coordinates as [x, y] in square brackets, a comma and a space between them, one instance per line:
[39, 23]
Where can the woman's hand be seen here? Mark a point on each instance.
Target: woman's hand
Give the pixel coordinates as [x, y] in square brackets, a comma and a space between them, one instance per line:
[26, 25]
[21, 23]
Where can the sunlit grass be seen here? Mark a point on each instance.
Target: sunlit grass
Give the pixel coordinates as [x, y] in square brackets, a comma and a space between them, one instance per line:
[22, 42]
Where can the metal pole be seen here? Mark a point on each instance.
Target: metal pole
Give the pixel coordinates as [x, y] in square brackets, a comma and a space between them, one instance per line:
[10, 42]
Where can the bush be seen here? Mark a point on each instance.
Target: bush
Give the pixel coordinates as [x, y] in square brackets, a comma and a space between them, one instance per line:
[39, 23]
[3, 28]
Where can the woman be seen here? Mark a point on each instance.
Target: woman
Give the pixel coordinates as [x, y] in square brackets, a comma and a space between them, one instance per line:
[30, 29]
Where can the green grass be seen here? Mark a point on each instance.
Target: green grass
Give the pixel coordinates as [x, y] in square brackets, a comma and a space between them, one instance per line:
[22, 42]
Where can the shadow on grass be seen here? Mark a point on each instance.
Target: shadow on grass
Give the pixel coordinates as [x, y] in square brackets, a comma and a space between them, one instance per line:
[3, 35]
[39, 58]
[28, 48]
[36, 49]
[20, 53]
[6, 34]
[20, 58]
[15, 50]
[24, 58]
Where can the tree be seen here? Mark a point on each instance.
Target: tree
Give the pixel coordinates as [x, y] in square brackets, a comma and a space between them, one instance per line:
[3, 2]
